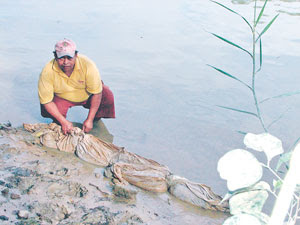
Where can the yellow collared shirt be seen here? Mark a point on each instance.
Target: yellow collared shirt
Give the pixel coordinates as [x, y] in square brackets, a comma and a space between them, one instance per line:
[84, 81]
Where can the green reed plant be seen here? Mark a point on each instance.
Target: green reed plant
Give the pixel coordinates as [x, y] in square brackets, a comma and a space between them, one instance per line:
[243, 172]
[256, 39]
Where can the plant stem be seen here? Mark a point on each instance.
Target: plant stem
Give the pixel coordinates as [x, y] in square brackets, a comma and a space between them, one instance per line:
[254, 72]
[286, 194]
[292, 208]
[272, 171]
[297, 209]
[254, 19]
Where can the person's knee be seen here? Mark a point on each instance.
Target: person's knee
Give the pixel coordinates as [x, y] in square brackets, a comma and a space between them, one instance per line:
[62, 105]
[62, 108]
[44, 112]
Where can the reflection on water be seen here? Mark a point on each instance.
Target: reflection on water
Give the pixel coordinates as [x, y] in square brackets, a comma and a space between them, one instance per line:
[291, 13]
[292, 8]
[153, 56]
[241, 1]
[249, 1]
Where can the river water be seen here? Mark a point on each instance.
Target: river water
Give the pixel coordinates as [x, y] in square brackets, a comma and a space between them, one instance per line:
[154, 56]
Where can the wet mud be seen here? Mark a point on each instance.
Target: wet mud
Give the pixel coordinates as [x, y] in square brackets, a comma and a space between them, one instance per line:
[45, 186]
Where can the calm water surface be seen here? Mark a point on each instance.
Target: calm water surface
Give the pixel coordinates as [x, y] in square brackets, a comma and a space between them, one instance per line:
[153, 55]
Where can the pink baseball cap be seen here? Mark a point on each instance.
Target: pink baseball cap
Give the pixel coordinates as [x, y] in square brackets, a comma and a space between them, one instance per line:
[65, 47]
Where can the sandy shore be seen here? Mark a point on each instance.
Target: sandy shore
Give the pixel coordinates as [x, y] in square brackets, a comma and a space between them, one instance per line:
[45, 186]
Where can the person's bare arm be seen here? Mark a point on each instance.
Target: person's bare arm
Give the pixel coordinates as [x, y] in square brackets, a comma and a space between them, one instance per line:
[66, 125]
[95, 103]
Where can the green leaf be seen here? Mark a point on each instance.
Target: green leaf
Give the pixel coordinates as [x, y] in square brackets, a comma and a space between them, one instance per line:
[274, 121]
[281, 95]
[267, 27]
[265, 142]
[263, 218]
[242, 219]
[240, 168]
[284, 158]
[229, 75]
[231, 43]
[260, 53]
[234, 13]
[277, 184]
[260, 14]
[294, 144]
[242, 132]
[238, 110]
[251, 201]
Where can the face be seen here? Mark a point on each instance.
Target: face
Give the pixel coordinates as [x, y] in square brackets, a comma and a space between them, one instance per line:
[66, 63]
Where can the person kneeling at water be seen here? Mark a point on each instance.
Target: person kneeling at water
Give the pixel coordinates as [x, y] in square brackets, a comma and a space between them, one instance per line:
[72, 79]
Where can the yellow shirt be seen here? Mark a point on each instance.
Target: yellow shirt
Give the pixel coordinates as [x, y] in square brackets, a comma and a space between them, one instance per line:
[84, 81]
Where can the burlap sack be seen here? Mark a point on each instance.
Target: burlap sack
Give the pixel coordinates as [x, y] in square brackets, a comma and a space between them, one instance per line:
[195, 193]
[127, 167]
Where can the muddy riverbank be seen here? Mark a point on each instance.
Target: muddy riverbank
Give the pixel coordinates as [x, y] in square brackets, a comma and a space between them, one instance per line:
[45, 186]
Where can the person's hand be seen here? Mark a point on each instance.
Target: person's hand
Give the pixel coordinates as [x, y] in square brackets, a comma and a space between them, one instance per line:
[87, 126]
[66, 127]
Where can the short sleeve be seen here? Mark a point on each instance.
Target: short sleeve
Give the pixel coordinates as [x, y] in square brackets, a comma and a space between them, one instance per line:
[45, 87]
[93, 79]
